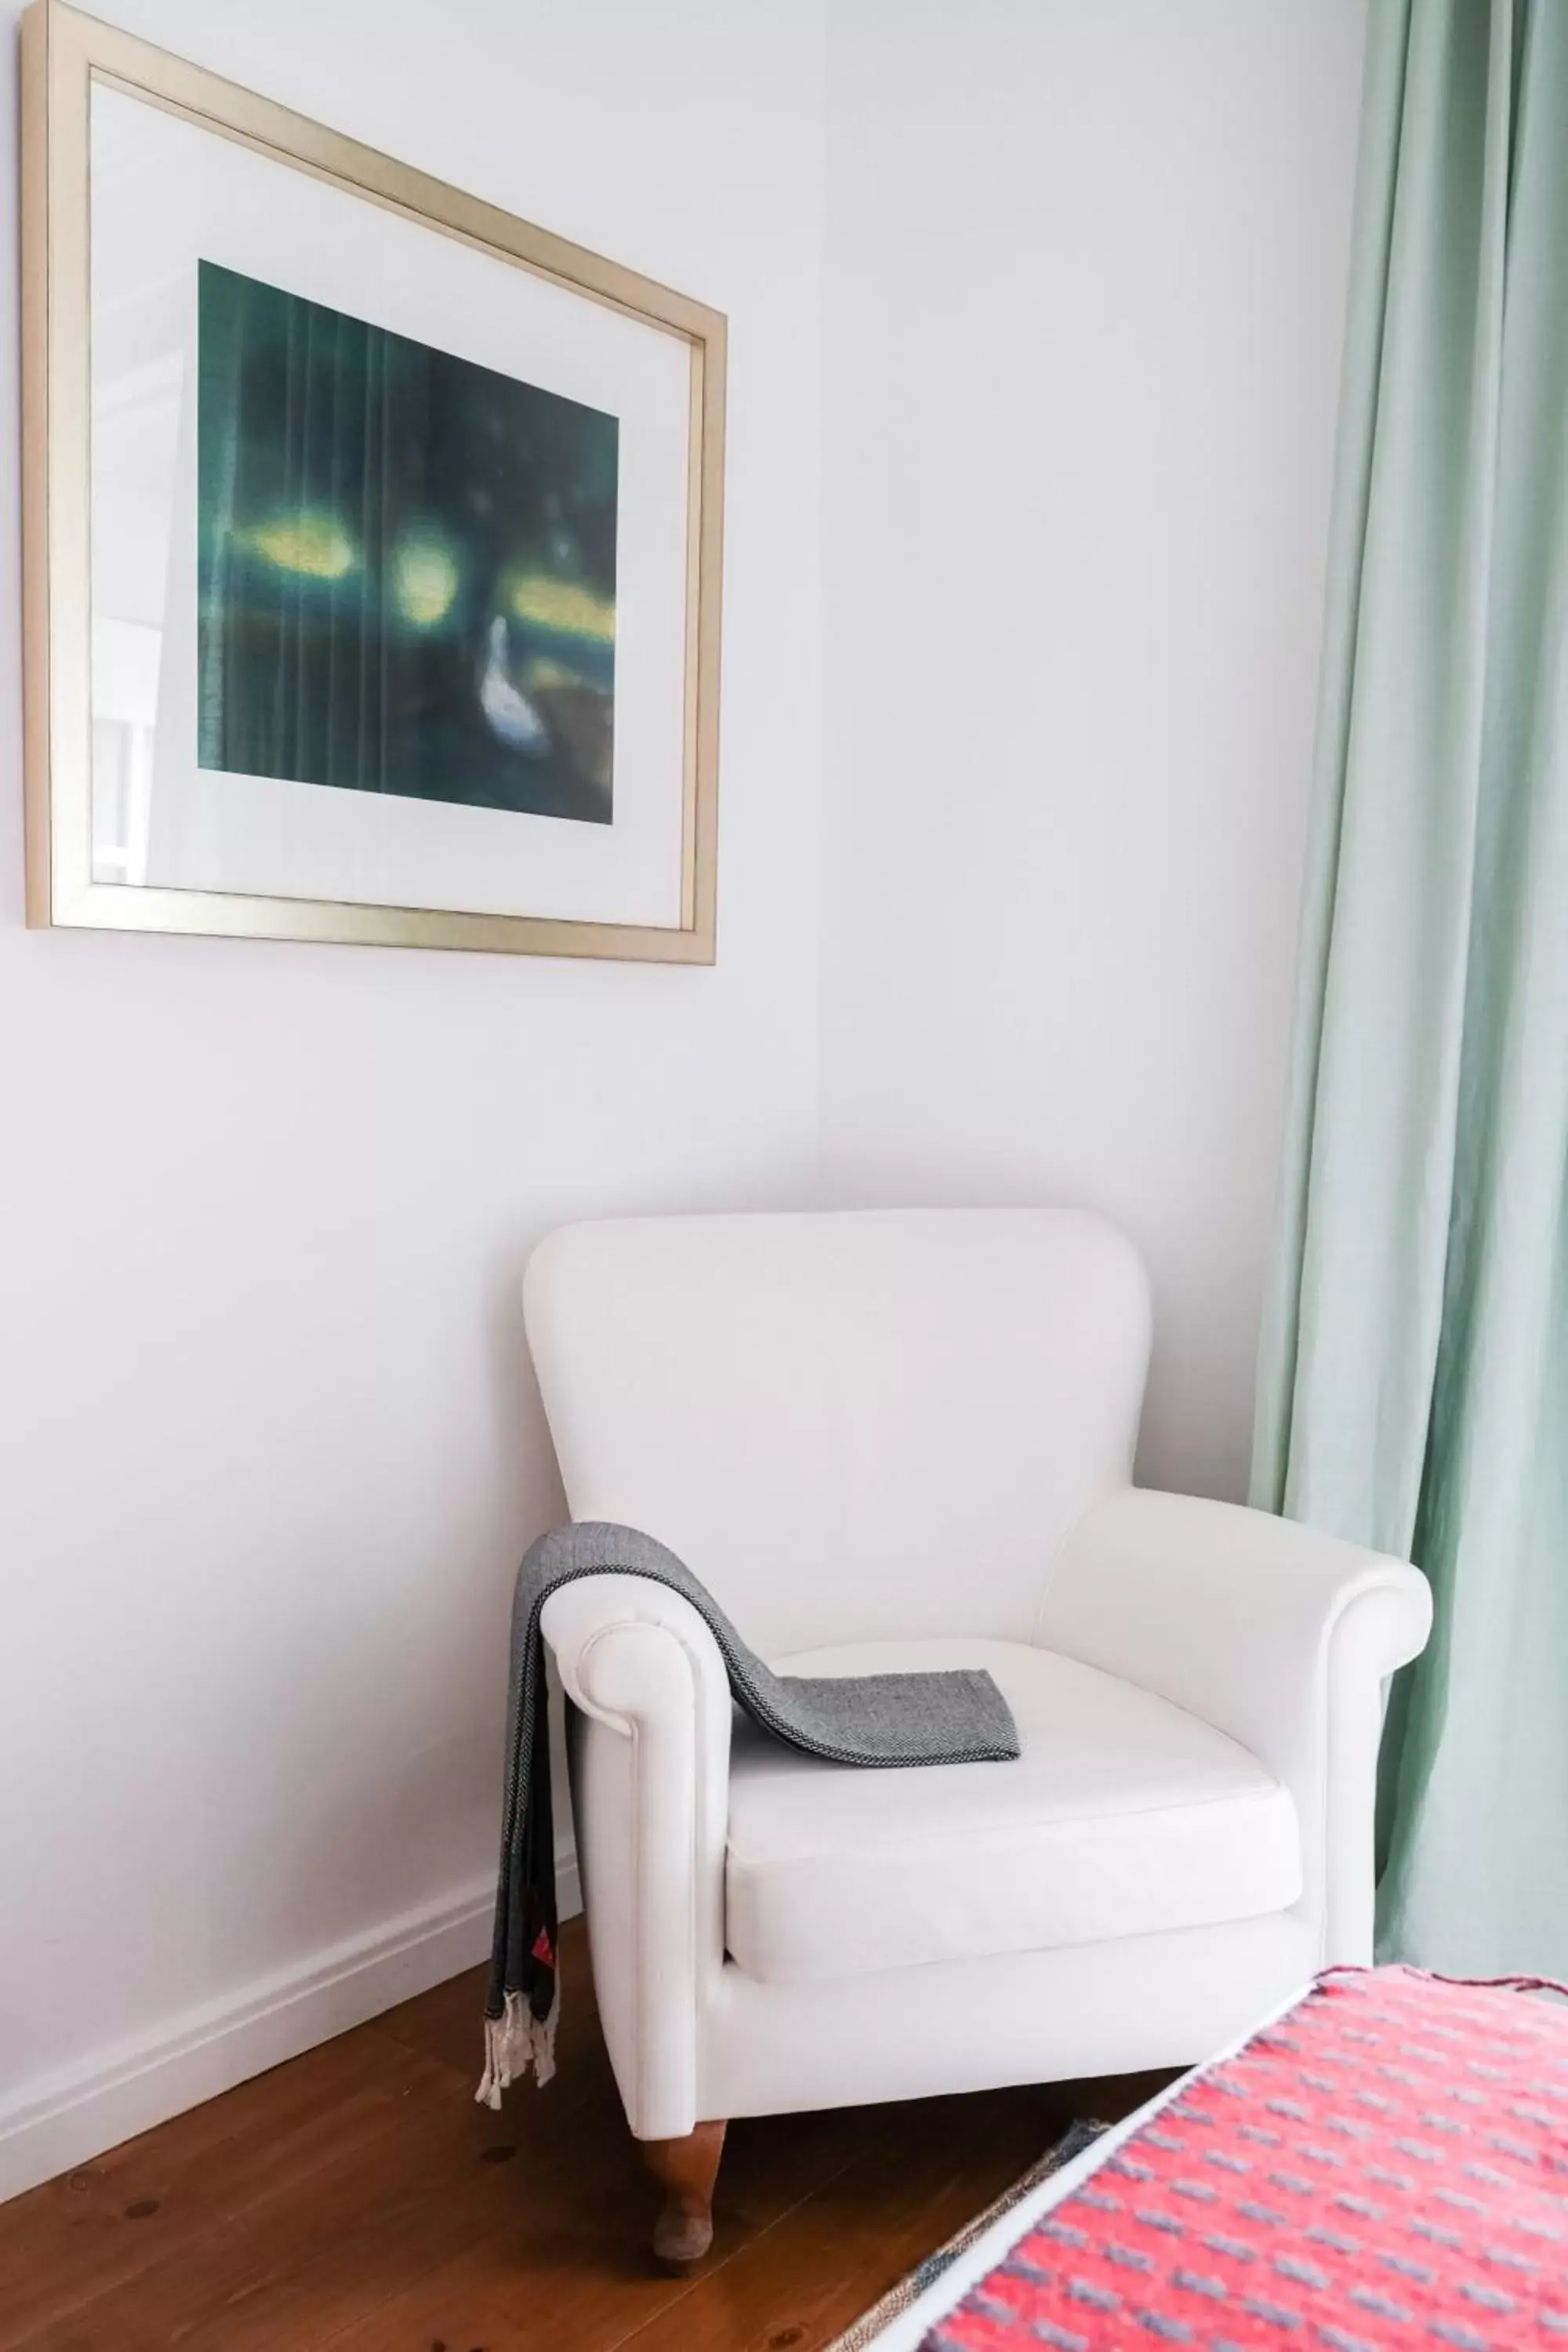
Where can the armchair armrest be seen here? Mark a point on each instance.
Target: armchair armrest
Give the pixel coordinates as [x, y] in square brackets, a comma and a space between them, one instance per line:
[651, 1790]
[1278, 1636]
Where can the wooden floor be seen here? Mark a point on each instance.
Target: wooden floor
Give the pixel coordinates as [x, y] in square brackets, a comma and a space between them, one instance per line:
[357, 2196]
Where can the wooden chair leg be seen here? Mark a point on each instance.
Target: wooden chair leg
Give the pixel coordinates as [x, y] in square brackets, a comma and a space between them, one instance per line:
[685, 2170]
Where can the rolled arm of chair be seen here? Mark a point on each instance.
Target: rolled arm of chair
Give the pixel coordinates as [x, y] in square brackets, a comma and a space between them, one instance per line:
[650, 1799]
[1278, 1636]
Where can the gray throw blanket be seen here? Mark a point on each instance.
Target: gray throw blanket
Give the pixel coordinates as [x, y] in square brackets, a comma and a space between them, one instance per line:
[955, 1717]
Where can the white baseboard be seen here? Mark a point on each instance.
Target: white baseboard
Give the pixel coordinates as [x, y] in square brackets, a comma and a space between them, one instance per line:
[57, 2121]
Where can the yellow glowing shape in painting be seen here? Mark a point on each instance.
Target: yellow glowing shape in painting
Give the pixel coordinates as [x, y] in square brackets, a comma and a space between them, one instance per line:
[562, 605]
[424, 581]
[317, 545]
[541, 675]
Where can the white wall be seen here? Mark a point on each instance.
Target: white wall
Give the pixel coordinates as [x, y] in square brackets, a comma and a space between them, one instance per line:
[1086, 274]
[271, 1450]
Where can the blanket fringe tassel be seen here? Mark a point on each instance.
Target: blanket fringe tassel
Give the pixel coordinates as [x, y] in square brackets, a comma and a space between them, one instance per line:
[515, 2041]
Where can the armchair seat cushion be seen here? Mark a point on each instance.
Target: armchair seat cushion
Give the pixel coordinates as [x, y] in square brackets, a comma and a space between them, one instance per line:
[1124, 1816]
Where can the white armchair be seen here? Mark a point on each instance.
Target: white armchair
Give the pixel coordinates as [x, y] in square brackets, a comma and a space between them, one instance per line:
[898, 1440]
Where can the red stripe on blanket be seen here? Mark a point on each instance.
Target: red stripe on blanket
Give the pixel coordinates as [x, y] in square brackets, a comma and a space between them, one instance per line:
[1387, 2165]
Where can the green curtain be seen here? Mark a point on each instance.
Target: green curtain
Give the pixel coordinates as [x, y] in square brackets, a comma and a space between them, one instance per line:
[1413, 1378]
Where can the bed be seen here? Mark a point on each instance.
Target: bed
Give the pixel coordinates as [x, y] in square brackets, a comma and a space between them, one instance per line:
[1382, 2163]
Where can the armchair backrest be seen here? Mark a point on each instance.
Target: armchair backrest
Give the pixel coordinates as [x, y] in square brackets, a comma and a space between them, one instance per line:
[850, 1425]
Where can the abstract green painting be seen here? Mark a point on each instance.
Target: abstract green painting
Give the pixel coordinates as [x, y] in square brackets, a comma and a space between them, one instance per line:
[406, 564]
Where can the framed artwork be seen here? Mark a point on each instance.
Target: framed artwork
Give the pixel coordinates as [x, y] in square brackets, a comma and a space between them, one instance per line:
[371, 539]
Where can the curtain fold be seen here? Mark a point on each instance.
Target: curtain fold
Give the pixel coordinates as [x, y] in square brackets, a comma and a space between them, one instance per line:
[1413, 1371]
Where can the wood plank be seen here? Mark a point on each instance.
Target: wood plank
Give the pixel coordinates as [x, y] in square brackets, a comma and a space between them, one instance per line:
[542, 2286]
[793, 2286]
[281, 2144]
[444, 2024]
[197, 2287]
[357, 2197]
[82, 2233]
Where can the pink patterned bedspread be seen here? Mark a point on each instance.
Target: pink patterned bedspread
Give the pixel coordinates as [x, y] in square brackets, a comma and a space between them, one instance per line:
[1386, 2165]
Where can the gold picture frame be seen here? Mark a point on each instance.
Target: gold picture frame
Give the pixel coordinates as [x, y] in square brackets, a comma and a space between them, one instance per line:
[65, 54]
